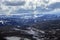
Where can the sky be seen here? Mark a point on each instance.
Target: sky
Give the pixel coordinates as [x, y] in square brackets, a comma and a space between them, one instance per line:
[21, 7]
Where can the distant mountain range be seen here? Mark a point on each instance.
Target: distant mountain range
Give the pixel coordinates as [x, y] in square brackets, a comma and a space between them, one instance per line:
[15, 20]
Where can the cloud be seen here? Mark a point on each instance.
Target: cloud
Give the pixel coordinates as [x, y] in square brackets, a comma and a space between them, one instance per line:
[14, 3]
[9, 7]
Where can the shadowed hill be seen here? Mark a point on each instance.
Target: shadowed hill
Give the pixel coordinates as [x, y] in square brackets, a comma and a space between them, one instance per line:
[51, 24]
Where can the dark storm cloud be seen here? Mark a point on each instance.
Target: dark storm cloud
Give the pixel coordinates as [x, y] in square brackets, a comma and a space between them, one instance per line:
[54, 5]
[14, 3]
[50, 7]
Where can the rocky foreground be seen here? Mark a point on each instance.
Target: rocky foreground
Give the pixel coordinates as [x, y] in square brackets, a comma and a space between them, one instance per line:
[49, 30]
